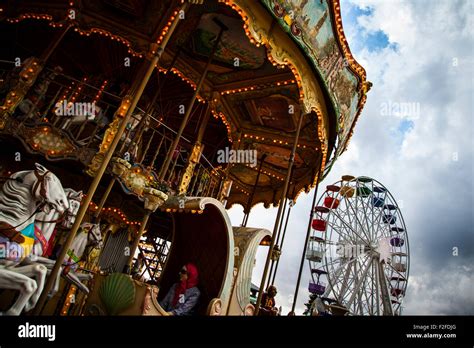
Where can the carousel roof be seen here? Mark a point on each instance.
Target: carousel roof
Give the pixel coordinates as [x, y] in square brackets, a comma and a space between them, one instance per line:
[279, 59]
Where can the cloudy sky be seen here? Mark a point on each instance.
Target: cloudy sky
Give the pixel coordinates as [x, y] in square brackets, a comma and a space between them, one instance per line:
[418, 52]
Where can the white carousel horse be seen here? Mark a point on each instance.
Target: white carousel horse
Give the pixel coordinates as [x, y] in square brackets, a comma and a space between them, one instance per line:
[21, 197]
[45, 224]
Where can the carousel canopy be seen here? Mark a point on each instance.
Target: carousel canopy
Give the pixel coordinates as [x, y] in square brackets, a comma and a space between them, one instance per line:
[278, 61]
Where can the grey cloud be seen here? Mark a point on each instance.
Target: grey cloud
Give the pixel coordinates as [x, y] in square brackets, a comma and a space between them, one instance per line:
[417, 166]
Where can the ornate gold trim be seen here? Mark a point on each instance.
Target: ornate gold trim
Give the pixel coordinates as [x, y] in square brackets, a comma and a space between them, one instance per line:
[260, 30]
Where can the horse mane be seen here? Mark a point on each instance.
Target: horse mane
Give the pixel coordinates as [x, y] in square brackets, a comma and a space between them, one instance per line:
[15, 197]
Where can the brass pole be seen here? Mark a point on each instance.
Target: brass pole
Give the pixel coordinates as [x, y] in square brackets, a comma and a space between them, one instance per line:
[150, 66]
[147, 145]
[184, 122]
[157, 152]
[104, 197]
[281, 244]
[195, 154]
[308, 233]
[249, 202]
[134, 247]
[277, 220]
[277, 240]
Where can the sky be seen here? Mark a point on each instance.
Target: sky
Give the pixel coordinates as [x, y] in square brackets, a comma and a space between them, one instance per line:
[419, 53]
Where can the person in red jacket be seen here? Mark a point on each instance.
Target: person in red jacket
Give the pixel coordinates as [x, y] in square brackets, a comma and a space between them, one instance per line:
[183, 296]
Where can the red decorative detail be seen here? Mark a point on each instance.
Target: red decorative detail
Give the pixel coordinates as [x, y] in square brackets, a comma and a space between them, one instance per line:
[319, 225]
[331, 202]
[40, 238]
[49, 251]
[279, 11]
[295, 30]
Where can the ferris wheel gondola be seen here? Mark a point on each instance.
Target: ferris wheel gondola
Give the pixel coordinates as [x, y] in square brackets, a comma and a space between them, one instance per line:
[358, 250]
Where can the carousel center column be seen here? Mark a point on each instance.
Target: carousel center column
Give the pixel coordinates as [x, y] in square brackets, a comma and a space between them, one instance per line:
[107, 150]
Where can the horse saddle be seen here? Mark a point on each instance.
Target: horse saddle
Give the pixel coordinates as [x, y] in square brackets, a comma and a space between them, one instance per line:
[9, 232]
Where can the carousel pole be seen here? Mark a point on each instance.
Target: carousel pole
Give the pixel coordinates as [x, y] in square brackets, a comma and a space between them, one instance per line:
[154, 55]
[277, 242]
[196, 153]
[277, 220]
[148, 112]
[308, 233]
[184, 122]
[128, 265]
[104, 197]
[249, 202]
[282, 241]
[226, 183]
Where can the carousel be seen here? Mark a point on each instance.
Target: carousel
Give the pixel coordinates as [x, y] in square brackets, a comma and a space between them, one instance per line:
[129, 127]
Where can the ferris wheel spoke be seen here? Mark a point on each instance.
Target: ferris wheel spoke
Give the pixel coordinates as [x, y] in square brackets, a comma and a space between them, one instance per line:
[376, 225]
[349, 227]
[367, 217]
[341, 266]
[366, 291]
[377, 286]
[374, 288]
[372, 215]
[335, 278]
[367, 240]
[364, 214]
[345, 282]
[384, 292]
[363, 292]
[364, 217]
[349, 281]
[379, 228]
[341, 219]
[341, 231]
[359, 282]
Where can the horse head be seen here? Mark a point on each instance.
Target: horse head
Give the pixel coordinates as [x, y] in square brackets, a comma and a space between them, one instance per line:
[94, 236]
[74, 198]
[48, 188]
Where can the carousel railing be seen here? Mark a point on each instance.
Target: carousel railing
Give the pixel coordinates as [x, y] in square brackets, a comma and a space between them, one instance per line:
[49, 100]
[205, 182]
[147, 139]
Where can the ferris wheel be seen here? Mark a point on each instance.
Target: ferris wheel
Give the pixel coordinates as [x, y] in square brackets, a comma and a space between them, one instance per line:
[358, 250]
